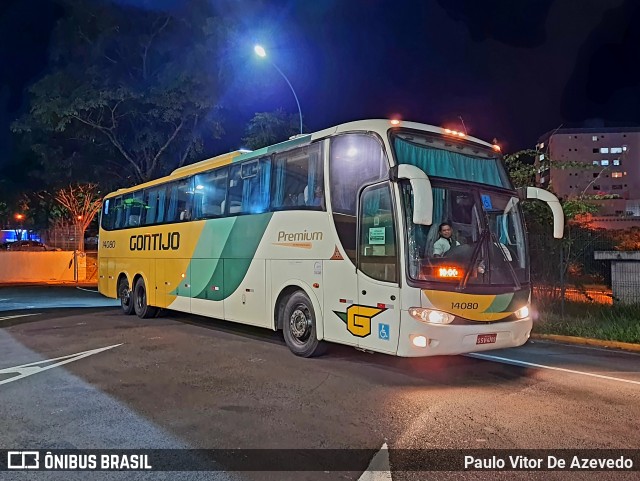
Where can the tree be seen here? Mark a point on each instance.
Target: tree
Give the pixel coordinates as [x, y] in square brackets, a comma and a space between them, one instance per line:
[267, 128]
[82, 202]
[138, 88]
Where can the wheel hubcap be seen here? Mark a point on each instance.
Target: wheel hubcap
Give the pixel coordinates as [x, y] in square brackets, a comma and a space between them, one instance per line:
[125, 296]
[300, 323]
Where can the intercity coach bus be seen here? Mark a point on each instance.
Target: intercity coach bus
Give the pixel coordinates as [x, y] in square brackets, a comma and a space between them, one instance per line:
[330, 237]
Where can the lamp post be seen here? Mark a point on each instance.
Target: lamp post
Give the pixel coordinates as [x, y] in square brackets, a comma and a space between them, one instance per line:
[261, 52]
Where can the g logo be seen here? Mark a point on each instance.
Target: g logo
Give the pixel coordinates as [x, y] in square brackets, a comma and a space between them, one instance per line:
[358, 319]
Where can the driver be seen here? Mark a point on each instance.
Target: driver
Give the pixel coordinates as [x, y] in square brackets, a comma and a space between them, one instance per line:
[444, 242]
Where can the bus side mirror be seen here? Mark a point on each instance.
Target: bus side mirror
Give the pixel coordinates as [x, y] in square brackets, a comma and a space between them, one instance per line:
[553, 203]
[422, 193]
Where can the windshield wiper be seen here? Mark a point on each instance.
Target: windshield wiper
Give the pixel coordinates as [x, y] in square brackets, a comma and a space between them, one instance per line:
[474, 257]
[482, 240]
[499, 245]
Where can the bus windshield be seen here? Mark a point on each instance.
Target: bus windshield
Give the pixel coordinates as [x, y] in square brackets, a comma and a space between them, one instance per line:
[477, 238]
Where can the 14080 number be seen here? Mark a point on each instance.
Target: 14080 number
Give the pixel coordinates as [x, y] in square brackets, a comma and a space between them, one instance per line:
[464, 305]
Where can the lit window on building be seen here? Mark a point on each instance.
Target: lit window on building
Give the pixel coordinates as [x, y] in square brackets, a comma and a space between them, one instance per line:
[604, 162]
[616, 175]
[624, 148]
[616, 161]
[616, 150]
[596, 162]
[594, 138]
[604, 150]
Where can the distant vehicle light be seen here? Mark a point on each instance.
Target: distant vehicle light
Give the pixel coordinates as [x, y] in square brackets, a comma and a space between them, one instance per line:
[395, 122]
[496, 147]
[447, 131]
[461, 134]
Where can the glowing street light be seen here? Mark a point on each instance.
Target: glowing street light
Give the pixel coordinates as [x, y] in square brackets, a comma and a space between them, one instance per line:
[262, 53]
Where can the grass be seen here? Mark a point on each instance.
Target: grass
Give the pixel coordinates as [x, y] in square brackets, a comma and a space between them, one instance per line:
[582, 319]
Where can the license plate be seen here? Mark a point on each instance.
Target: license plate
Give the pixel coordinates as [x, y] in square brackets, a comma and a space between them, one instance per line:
[486, 338]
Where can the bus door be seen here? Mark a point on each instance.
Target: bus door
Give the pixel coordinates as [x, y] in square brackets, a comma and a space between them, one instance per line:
[376, 318]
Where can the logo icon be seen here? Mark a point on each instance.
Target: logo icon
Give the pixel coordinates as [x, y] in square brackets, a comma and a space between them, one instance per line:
[23, 459]
[383, 331]
[358, 319]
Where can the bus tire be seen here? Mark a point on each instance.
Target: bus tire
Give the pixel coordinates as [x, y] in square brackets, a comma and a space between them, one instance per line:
[143, 309]
[299, 326]
[124, 294]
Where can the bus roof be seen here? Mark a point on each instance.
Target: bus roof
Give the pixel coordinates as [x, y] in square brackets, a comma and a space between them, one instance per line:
[380, 126]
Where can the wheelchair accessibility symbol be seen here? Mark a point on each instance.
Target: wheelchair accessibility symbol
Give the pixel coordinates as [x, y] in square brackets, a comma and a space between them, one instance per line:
[383, 331]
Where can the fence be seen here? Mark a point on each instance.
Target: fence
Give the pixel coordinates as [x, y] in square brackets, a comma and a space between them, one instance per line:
[568, 270]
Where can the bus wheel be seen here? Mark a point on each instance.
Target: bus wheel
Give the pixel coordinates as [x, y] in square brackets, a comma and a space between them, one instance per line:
[143, 310]
[299, 326]
[124, 293]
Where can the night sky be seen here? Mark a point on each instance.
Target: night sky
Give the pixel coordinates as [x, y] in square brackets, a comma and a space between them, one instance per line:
[511, 74]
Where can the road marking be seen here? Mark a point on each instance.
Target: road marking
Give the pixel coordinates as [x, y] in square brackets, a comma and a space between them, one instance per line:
[34, 368]
[4, 300]
[531, 364]
[379, 468]
[15, 316]
[88, 290]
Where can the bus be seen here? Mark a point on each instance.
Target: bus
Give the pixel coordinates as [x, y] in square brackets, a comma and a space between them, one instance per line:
[330, 237]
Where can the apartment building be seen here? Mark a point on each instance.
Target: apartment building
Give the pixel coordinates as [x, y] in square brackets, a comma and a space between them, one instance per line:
[582, 162]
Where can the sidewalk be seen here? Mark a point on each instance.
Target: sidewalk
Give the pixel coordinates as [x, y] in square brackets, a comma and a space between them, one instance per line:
[50, 283]
[587, 341]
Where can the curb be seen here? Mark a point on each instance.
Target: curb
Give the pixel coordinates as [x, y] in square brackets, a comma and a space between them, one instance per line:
[586, 341]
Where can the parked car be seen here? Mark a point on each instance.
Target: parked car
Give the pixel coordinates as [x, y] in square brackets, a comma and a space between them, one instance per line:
[29, 245]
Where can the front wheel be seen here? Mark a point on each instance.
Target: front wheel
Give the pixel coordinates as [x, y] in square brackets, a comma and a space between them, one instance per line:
[140, 301]
[299, 326]
[124, 293]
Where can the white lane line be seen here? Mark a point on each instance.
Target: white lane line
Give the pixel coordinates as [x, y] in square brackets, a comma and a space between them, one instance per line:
[34, 368]
[15, 316]
[531, 364]
[88, 290]
[4, 300]
[379, 468]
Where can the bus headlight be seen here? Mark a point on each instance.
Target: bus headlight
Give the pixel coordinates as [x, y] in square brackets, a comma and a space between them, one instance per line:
[522, 312]
[431, 316]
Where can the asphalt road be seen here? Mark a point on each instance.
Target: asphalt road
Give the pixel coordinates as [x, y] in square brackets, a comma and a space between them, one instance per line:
[185, 381]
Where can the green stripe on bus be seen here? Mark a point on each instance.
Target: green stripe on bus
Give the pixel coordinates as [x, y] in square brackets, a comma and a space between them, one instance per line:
[239, 250]
[500, 303]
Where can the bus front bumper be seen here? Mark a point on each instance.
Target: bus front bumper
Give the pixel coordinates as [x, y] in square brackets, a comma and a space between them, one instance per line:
[435, 340]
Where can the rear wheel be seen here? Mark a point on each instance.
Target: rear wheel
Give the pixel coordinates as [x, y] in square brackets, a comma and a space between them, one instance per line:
[124, 293]
[143, 309]
[299, 326]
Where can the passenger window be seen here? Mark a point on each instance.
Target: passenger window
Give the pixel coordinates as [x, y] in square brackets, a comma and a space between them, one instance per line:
[356, 160]
[249, 186]
[210, 194]
[180, 195]
[298, 179]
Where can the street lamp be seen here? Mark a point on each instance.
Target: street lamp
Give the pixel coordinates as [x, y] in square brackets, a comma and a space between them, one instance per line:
[261, 52]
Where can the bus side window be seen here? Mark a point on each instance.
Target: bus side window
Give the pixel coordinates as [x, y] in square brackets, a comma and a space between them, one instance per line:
[355, 160]
[298, 178]
[210, 194]
[234, 197]
[180, 195]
